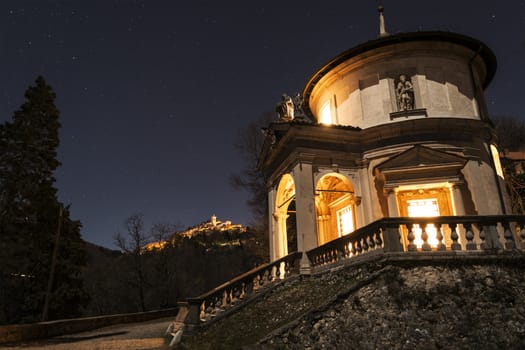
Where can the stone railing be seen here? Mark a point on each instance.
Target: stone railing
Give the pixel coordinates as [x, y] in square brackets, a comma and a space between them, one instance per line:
[433, 234]
[25, 332]
[208, 306]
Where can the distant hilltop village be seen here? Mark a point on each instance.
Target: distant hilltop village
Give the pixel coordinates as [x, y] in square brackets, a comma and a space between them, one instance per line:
[204, 228]
[210, 226]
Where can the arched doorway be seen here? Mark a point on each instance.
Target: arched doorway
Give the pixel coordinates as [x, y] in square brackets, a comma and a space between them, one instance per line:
[285, 239]
[335, 207]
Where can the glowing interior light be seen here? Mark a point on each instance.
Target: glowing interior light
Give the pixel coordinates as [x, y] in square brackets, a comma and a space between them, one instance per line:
[497, 162]
[345, 222]
[326, 114]
[424, 208]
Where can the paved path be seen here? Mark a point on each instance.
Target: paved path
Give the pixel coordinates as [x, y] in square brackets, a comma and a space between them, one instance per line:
[131, 336]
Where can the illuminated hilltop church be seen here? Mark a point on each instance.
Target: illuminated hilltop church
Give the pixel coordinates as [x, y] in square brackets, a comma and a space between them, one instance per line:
[394, 127]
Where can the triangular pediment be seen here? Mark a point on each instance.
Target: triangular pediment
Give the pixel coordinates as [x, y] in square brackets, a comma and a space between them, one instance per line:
[420, 160]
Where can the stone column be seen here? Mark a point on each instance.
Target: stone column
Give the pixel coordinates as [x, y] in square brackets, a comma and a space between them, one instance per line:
[305, 207]
[365, 208]
[280, 239]
[272, 223]
[482, 197]
[458, 200]
[323, 227]
[393, 211]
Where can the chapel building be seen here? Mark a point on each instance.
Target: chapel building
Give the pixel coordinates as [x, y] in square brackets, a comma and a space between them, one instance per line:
[394, 127]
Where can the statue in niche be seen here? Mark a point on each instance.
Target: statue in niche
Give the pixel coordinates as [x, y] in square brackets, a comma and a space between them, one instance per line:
[285, 108]
[405, 93]
[382, 196]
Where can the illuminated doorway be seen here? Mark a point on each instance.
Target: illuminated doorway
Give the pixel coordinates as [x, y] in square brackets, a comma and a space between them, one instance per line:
[334, 202]
[425, 202]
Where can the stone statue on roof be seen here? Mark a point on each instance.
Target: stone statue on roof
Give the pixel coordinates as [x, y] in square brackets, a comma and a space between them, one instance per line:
[285, 108]
[298, 103]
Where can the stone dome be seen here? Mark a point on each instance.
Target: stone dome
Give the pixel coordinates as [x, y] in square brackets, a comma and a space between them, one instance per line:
[396, 77]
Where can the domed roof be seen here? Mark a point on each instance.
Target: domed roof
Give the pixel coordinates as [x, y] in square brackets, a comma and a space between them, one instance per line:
[478, 48]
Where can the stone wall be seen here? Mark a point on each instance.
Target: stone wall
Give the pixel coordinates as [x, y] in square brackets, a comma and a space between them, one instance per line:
[24, 332]
[441, 306]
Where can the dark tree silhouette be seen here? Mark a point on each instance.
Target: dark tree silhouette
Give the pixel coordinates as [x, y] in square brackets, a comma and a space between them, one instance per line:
[29, 213]
[133, 243]
[511, 135]
[249, 144]
[511, 131]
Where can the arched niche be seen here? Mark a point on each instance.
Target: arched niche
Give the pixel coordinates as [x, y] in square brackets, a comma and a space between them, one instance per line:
[285, 238]
[335, 207]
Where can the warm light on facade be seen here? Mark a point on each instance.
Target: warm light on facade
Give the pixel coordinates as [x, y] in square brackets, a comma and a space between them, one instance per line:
[424, 208]
[326, 114]
[497, 162]
[345, 221]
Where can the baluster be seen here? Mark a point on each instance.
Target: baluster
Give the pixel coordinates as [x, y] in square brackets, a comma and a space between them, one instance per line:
[236, 293]
[482, 244]
[278, 271]
[208, 314]
[269, 274]
[229, 297]
[509, 237]
[358, 247]
[224, 303]
[348, 251]
[424, 237]
[336, 255]
[439, 237]
[243, 291]
[379, 241]
[354, 249]
[469, 235]
[216, 305]
[248, 288]
[287, 269]
[365, 244]
[521, 227]
[411, 237]
[454, 236]
[262, 280]
[371, 242]
[340, 253]
[202, 313]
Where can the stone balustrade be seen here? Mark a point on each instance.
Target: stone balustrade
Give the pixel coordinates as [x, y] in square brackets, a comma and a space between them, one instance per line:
[208, 306]
[401, 235]
[431, 234]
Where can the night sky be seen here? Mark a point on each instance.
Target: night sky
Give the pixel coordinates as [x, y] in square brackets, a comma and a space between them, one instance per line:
[153, 93]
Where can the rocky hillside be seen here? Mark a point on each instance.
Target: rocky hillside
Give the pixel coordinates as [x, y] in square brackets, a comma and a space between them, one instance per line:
[448, 305]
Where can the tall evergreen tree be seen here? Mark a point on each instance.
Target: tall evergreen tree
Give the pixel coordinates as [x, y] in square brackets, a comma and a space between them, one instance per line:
[29, 215]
